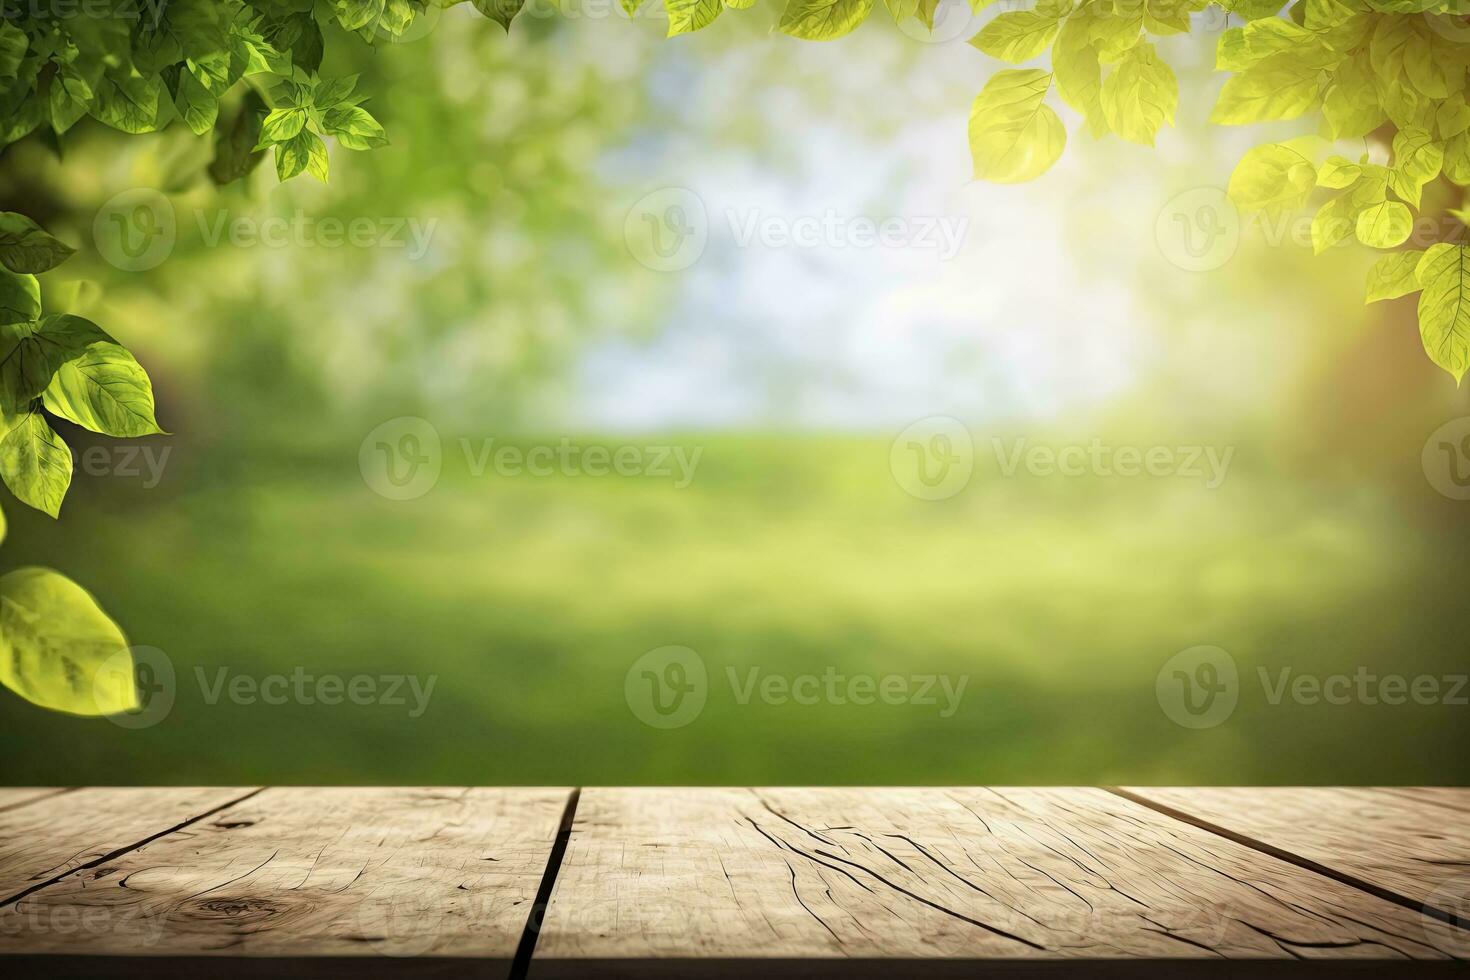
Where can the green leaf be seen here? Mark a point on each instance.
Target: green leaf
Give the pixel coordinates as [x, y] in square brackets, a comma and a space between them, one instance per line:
[821, 20]
[58, 649]
[1016, 36]
[316, 158]
[281, 125]
[1444, 307]
[13, 44]
[500, 11]
[25, 369]
[300, 152]
[1140, 95]
[69, 100]
[197, 106]
[26, 248]
[330, 92]
[686, 16]
[356, 14]
[20, 297]
[129, 103]
[1394, 275]
[354, 127]
[34, 463]
[1014, 135]
[97, 383]
[1385, 225]
[1273, 178]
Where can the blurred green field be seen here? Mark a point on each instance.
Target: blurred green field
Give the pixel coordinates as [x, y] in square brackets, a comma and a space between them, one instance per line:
[528, 599]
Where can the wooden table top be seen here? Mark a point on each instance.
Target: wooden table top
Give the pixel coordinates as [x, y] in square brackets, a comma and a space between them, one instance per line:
[706, 882]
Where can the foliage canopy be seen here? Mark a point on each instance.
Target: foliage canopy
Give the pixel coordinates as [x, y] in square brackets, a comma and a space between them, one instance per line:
[1386, 76]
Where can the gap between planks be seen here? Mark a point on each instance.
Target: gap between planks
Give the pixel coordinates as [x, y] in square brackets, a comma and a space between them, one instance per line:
[526, 950]
[1281, 854]
[118, 852]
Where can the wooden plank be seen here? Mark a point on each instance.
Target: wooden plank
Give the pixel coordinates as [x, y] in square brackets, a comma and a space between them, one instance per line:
[1416, 845]
[812, 881]
[44, 838]
[15, 796]
[1453, 798]
[312, 881]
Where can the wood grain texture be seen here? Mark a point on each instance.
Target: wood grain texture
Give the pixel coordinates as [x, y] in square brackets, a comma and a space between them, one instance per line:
[61, 832]
[708, 878]
[312, 878]
[15, 796]
[1414, 846]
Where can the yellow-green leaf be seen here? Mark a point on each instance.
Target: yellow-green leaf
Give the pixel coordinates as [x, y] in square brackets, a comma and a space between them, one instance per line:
[1394, 275]
[1016, 36]
[686, 16]
[1014, 135]
[35, 464]
[1272, 178]
[1417, 159]
[1338, 172]
[97, 383]
[1079, 73]
[1115, 29]
[1444, 307]
[58, 649]
[1385, 225]
[1334, 221]
[821, 20]
[1274, 89]
[1140, 95]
